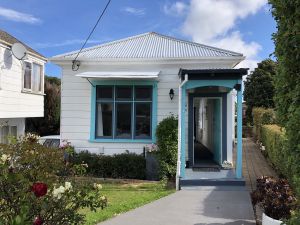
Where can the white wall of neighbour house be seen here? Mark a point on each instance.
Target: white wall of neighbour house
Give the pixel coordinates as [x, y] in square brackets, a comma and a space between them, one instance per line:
[76, 103]
[14, 103]
[13, 122]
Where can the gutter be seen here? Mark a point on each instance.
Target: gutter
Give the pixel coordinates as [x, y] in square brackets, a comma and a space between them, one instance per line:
[179, 131]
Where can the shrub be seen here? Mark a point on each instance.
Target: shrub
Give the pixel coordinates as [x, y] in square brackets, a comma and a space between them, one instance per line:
[31, 192]
[275, 197]
[261, 116]
[167, 142]
[124, 166]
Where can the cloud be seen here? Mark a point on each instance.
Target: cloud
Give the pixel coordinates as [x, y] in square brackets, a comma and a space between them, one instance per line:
[134, 11]
[176, 9]
[13, 15]
[213, 22]
[66, 43]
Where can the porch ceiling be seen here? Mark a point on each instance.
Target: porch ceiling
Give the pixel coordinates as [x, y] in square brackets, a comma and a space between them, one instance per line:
[217, 74]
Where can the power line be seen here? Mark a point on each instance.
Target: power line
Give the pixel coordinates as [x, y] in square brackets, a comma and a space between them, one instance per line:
[101, 15]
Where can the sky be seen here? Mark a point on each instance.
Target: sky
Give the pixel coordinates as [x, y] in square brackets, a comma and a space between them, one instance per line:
[58, 26]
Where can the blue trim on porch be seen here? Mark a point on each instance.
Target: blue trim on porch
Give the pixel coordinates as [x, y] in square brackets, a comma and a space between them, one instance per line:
[229, 83]
[122, 82]
[239, 157]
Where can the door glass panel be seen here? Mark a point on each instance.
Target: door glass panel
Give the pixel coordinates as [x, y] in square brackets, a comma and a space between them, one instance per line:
[104, 119]
[4, 134]
[123, 124]
[143, 93]
[143, 120]
[123, 93]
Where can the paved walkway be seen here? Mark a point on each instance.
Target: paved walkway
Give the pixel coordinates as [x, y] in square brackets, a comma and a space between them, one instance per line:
[201, 206]
[254, 164]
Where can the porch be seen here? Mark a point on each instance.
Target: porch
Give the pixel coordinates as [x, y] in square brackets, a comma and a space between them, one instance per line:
[206, 127]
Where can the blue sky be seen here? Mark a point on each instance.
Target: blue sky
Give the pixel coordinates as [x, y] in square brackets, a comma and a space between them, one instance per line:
[54, 27]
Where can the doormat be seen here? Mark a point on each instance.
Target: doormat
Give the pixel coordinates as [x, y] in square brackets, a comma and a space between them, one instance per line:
[206, 169]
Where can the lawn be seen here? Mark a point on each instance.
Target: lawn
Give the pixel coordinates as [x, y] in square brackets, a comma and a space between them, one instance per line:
[124, 196]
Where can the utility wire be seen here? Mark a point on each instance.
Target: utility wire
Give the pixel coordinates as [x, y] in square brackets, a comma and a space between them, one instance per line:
[101, 15]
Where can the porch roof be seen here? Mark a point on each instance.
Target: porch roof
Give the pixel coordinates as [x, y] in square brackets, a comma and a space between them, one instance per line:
[208, 74]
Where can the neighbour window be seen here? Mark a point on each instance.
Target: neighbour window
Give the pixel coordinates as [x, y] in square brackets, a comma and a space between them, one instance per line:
[33, 77]
[123, 112]
[6, 132]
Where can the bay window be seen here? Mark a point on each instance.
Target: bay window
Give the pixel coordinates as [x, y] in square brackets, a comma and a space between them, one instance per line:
[123, 112]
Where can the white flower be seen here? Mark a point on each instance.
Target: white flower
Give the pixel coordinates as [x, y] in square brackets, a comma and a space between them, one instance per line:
[57, 192]
[68, 186]
[97, 186]
[5, 158]
[102, 198]
[263, 148]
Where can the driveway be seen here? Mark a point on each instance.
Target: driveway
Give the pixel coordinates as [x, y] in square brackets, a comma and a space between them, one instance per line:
[197, 206]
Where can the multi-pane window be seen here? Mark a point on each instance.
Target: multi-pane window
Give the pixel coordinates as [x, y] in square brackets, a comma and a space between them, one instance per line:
[123, 112]
[33, 77]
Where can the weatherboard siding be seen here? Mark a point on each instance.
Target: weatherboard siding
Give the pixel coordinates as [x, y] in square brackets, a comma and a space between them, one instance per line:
[14, 103]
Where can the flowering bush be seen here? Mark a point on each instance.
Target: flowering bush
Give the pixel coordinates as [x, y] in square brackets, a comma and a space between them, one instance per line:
[32, 192]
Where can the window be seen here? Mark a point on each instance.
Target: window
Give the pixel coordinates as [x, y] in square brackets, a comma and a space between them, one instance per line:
[6, 132]
[33, 77]
[123, 112]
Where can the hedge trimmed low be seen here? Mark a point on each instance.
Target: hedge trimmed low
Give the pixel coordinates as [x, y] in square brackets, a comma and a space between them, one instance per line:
[122, 166]
[261, 116]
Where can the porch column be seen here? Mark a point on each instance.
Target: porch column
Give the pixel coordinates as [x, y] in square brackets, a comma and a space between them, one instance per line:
[182, 118]
[239, 155]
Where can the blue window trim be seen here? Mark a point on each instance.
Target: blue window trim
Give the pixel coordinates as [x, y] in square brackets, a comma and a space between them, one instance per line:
[125, 83]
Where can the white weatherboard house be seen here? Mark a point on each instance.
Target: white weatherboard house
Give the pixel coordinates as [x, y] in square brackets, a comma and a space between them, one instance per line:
[116, 94]
[21, 87]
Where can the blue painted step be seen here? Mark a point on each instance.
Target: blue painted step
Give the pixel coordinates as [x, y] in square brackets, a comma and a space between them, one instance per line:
[212, 182]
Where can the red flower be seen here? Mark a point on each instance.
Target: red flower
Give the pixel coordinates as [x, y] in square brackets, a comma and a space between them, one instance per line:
[38, 221]
[39, 189]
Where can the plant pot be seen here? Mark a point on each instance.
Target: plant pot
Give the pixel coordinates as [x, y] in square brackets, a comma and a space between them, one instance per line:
[266, 220]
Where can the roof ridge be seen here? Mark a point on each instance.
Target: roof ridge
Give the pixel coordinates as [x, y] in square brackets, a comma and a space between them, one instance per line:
[196, 43]
[106, 44]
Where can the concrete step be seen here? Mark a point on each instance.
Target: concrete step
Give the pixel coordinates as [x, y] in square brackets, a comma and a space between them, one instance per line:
[212, 182]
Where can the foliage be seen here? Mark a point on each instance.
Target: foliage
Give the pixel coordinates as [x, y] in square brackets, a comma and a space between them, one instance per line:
[275, 197]
[166, 133]
[261, 116]
[126, 165]
[259, 87]
[287, 80]
[50, 123]
[124, 196]
[31, 192]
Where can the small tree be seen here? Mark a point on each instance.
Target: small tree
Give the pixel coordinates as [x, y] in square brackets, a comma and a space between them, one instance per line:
[259, 87]
[167, 138]
[50, 123]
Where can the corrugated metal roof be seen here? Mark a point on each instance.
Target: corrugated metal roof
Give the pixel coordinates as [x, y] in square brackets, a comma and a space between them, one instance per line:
[149, 46]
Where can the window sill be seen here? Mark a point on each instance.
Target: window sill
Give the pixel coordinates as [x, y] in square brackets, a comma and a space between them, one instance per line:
[33, 93]
[148, 141]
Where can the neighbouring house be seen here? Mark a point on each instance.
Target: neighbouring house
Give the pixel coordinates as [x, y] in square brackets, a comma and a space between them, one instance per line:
[115, 94]
[21, 87]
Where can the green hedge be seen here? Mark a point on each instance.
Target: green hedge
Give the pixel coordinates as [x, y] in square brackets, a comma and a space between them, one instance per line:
[123, 166]
[284, 160]
[261, 116]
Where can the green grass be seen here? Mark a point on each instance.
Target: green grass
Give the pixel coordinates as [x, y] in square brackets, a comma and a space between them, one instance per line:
[124, 196]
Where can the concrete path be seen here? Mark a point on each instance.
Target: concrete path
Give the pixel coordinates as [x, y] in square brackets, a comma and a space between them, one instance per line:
[200, 206]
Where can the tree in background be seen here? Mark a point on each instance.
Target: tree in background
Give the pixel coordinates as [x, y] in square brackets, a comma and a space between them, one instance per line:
[50, 123]
[259, 87]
